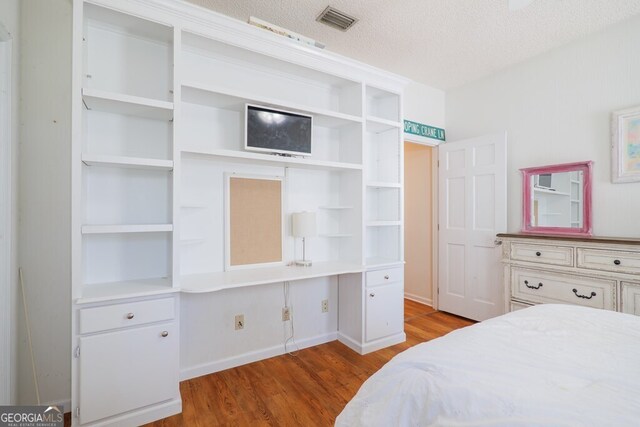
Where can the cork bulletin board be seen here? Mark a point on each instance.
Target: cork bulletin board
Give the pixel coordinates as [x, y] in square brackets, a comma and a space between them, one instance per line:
[254, 220]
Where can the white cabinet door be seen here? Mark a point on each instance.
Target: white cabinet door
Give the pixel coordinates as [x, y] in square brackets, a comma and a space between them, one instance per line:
[384, 311]
[126, 370]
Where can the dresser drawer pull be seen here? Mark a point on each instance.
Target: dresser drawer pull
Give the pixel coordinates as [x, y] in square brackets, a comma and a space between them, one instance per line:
[616, 261]
[164, 334]
[130, 316]
[386, 277]
[538, 253]
[526, 283]
[593, 294]
[372, 295]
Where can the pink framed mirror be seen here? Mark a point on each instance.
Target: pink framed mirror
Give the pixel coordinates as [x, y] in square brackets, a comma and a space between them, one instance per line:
[557, 199]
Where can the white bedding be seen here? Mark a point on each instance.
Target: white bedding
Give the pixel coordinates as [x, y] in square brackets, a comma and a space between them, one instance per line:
[552, 365]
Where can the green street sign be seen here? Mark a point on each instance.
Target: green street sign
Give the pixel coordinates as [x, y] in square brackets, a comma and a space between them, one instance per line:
[415, 128]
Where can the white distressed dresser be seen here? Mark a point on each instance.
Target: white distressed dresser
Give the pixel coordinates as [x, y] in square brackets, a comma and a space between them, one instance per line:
[600, 272]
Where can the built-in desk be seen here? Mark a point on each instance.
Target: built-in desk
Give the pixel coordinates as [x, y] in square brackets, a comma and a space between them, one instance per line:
[212, 282]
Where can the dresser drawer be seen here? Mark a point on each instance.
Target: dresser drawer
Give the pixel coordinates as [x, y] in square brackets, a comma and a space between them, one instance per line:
[384, 276]
[544, 254]
[548, 287]
[630, 298]
[104, 318]
[617, 261]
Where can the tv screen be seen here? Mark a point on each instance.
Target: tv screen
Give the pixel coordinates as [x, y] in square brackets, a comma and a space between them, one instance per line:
[544, 180]
[277, 131]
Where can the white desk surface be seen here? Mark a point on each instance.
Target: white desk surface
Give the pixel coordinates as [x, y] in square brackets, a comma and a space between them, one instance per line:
[211, 282]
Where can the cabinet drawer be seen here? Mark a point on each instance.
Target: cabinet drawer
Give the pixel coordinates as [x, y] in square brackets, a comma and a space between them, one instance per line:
[544, 254]
[517, 305]
[116, 316]
[126, 370]
[540, 287]
[384, 311]
[630, 298]
[387, 275]
[617, 261]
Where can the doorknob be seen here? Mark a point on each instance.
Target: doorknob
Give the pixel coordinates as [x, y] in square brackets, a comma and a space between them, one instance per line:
[497, 242]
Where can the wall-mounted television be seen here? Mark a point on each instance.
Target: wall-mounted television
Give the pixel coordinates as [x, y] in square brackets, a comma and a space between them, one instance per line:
[277, 131]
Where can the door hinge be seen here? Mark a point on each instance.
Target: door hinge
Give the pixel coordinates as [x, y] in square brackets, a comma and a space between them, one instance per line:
[76, 353]
[77, 412]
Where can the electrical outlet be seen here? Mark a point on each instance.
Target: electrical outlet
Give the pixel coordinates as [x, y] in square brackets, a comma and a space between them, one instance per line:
[286, 314]
[325, 305]
[239, 322]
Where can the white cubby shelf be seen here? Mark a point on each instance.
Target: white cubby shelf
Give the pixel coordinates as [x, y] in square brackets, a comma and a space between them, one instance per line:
[126, 162]
[131, 228]
[125, 289]
[118, 103]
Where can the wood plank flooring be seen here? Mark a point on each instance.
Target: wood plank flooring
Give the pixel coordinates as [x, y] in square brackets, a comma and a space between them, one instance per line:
[309, 389]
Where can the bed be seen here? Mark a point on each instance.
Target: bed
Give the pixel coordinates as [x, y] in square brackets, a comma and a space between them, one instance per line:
[552, 365]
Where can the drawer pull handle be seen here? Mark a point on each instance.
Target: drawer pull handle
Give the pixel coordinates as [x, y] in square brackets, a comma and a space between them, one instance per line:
[538, 253]
[616, 261]
[164, 334]
[526, 283]
[130, 316]
[386, 277]
[593, 294]
[372, 295]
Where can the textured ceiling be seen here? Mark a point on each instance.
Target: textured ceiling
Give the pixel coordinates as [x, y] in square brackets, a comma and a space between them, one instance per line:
[441, 43]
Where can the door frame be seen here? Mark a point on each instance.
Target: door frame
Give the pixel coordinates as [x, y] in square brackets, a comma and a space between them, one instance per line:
[6, 219]
[434, 213]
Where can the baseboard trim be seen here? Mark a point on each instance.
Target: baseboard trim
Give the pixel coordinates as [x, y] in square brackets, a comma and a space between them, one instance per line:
[349, 342]
[417, 298]
[384, 342]
[253, 356]
[142, 416]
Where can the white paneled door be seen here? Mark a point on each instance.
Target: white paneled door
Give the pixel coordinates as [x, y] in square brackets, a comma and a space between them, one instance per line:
[472, 209]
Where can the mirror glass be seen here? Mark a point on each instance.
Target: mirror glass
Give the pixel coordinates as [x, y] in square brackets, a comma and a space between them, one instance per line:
[557, 199]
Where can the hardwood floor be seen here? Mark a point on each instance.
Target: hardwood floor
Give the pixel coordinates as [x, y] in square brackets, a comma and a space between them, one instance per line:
[309, 389]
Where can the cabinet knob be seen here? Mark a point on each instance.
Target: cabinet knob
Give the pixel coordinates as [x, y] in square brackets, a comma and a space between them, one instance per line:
[372, 295]
[538, 253]
[164, 334]
[616, 261]
[130, 316]
[386, 277]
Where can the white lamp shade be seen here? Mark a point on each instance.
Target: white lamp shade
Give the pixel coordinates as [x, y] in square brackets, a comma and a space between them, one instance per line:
[304, 224]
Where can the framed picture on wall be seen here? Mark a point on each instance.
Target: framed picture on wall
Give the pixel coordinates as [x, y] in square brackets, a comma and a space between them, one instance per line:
[625, 145]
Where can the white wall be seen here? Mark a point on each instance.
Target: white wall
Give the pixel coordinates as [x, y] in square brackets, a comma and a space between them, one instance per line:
[44, 200]
[424, 104]
[9, 18]
[556, 108]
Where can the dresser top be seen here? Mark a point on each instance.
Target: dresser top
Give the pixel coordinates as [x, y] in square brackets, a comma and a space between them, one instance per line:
[593, 239]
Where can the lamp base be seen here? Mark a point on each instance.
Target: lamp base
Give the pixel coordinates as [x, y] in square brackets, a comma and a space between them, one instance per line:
[305, 263]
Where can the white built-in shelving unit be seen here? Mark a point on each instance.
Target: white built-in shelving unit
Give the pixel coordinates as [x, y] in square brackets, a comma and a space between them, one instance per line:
[160, 90]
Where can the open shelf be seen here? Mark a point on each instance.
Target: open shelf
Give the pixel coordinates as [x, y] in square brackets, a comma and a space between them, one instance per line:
[335, 235]
[211, 282]
[384, 184]
[547, 191]
[126, 162]
[112, 102]
[272, 160]
[130, 228]
[126, 289]
[382, 262]
[335, 207]
[379, 125]
[382, 104]
[383, 223]
[219, 97]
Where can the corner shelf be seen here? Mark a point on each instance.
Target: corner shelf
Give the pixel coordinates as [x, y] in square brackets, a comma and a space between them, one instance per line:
[112, 102]
[267, 159]
[133, 228]
[126, 162]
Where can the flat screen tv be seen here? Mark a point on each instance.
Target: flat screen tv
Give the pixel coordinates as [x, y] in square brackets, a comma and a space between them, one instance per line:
[277, 131]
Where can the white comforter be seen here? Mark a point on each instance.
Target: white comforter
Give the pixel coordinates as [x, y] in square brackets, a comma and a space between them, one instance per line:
[551, 365]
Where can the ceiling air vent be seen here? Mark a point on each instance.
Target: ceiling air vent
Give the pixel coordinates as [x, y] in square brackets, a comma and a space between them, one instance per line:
[336, 19]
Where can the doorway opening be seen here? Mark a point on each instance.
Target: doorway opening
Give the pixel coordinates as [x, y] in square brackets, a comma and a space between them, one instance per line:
[419, 219]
